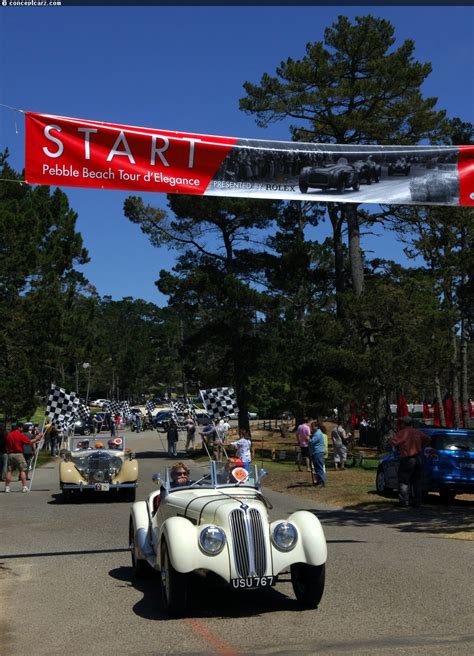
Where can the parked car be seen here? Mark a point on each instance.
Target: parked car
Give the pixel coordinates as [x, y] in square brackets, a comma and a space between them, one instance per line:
[400, 167]
[368, 170]
[251, 415]
[84, 426]
[95, 465]
[219, 526]
[99, 403]
[162, 419]
[340, 176]
[448, 464]
[202, 418]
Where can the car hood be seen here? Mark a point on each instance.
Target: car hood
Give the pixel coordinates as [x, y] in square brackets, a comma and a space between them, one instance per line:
[214, 506]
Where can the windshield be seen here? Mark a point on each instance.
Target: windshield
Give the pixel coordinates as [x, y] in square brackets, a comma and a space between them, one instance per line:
[213, 475]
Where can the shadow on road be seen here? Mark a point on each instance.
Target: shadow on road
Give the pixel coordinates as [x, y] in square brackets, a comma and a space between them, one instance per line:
[433, 518]
[220, 600]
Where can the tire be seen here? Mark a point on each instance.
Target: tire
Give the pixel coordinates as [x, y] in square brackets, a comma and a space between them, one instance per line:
[308, 583]
[66, 494]
[130, 494]
[303, 187]
[356, 185]
[341, 186]
[380, 483]
[174, 586]
[140, 568]
[447, 496]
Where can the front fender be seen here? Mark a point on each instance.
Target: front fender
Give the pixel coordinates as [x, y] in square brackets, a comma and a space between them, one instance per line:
[140, 521]
[128, 472]
[181, 537]
[311, 547]
[68, 473]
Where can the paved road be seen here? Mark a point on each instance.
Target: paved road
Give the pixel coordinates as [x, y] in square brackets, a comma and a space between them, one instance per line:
[393, 585]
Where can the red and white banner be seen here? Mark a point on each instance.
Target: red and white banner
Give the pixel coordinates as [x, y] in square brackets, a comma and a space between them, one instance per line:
[78, 153]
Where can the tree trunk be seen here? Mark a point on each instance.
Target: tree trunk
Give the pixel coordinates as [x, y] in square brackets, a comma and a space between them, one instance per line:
[355, 251]
[464, 372]
[454, 374]
[336, 218]
[439, 398]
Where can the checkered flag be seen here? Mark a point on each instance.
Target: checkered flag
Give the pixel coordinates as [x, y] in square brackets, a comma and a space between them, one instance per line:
[61, 406]
[82, 412]
[179, 406]
[219, 402]
[114, 407]
[150, 406]
[126, 409]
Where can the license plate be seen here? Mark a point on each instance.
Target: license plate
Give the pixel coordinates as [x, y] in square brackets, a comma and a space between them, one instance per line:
[252, 582]
[102, 487]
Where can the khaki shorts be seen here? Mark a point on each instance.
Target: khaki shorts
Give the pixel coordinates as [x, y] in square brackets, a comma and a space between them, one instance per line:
[17, 461]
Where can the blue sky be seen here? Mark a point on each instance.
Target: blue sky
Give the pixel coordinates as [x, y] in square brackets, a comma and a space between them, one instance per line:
[182, 68]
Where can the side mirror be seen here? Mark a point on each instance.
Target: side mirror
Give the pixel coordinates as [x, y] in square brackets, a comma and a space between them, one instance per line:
[132, 455]
[262, 473]
[156, 478]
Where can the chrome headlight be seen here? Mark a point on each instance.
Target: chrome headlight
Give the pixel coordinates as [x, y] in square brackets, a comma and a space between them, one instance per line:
[212, 540]
[285, 536]
[115, 465]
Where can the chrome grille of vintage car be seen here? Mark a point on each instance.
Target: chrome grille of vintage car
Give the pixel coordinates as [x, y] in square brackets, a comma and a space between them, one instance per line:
[248, 540]
[98, 467]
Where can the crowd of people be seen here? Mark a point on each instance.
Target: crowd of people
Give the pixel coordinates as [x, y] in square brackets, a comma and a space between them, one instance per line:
[313, 452]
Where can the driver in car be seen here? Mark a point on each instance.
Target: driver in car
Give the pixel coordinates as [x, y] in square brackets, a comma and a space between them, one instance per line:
[180, 475]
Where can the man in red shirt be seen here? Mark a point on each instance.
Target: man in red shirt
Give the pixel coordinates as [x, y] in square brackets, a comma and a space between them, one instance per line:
[16, 460]
[410, 443]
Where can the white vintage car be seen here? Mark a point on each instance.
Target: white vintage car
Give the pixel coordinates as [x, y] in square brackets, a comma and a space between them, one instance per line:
[99, 465]
[219, 524]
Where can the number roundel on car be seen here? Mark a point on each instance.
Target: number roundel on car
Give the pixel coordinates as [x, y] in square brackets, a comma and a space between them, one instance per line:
[240, 474]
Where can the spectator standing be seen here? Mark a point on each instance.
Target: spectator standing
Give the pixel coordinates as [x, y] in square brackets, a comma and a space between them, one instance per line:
[303, 435]
[222, 429]
[138, 421]
[190, 434]
[316, 450]
[15, 441]
[172, 437]
[28, 450]
[339, 439]
[208, 435]
[324, 431]
[53, 440]
[243, 449]
[410, 443]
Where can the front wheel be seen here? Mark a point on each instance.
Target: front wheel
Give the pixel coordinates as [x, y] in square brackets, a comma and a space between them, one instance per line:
[356, 185]
[341, 186]
[381, 483]
[303, 187]
[308, 583]
[174, 586]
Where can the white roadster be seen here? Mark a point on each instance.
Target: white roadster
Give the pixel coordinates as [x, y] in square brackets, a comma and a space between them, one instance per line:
[219, 524]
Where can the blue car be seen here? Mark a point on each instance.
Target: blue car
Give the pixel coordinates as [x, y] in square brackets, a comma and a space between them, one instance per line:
[448, 464]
